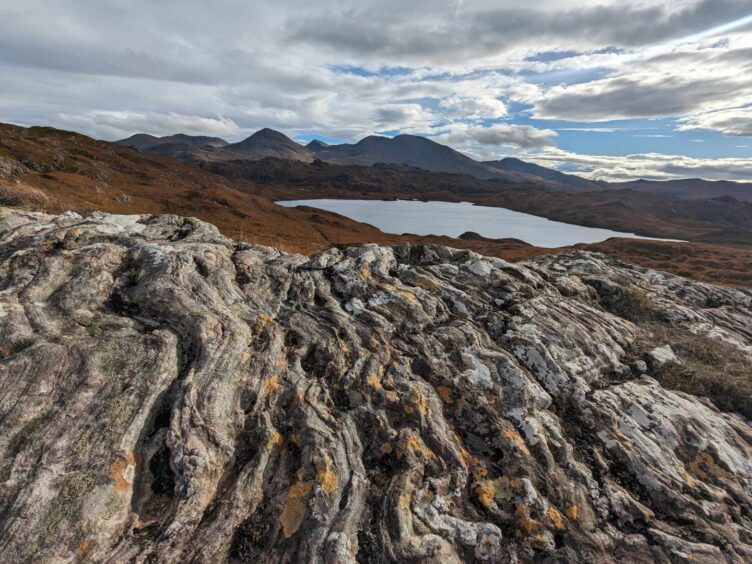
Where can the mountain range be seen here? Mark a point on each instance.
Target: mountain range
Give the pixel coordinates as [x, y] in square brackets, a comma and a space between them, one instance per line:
[42, 168]
[419, 152]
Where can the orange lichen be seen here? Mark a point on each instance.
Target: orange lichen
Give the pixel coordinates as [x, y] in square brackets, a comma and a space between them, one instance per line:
[275, 439]
[409, 297]
[425, 283]
[486, 491]
[392, 396]
[271, 385]
[413, 444]
[555, 518]
[122, 471]
[517, 439]
[445, 394]
[421, 403]
[573, 513]
[83, 548]
[295, 507]
[522, 512]
[265, 319]
[364, 273]
[326, 477]
[386, 448]
[374, 381]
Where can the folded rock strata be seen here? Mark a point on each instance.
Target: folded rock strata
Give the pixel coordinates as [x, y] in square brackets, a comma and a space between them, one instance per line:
[169, 395]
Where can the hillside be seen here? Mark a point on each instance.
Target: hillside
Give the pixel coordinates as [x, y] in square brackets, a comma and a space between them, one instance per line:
[145, 142]
[269, 143]
[565, 181]
[718, 221]
[53, 170]
[185, 398]
[264, 143]
[420, 152]
[414, 151]
[691, 189]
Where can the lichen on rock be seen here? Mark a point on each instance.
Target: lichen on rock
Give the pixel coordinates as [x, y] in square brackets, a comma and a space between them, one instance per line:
[170, 394]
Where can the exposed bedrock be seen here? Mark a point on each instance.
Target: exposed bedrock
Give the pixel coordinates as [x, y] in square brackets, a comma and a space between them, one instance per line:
[169, 395]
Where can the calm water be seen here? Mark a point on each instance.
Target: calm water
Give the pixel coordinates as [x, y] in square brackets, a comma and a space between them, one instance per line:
[454, 219]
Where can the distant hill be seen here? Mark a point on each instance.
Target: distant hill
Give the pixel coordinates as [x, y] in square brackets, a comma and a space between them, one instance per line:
[690, 188]
[42, 168]
[264, 143]
[418, 152]
[568, 181]
[146, 142]
[269, 143]
[415, 151]
[317, 145]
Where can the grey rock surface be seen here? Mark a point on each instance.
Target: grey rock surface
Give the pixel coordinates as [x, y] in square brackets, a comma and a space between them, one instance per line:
[169, 395]
[661, 356]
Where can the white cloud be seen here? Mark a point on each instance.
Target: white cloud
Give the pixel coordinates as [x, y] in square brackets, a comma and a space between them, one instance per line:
[484, 142]
[120, 124]
[348, 69]
[682, 80]
[733, 121]
[650, 166]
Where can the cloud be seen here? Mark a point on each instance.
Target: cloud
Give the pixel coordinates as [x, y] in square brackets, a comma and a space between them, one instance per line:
[482, 105]
[649, 166]
[733, 121]
[418, 31]
[402, 116]
[689, 79]
[477, 73]
[484, 142]
[120, 124]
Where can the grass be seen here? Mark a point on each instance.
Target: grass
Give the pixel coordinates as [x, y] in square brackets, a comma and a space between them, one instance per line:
[629, 302]
[709, 368]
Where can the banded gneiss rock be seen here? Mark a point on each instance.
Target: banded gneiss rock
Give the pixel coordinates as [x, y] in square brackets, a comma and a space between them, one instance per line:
[170, 395]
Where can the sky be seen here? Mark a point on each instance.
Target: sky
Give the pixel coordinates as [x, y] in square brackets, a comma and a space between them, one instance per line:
[607, 89]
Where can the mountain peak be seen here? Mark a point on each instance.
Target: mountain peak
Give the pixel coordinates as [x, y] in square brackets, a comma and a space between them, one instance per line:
[318, 145]
[268, 142]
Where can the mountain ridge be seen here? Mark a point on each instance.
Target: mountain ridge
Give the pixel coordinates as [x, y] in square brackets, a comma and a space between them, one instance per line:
[424, 153]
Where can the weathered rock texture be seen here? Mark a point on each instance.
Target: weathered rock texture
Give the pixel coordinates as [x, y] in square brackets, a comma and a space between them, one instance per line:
[168, 395]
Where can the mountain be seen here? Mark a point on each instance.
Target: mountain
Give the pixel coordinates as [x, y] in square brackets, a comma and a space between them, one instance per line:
[690, 188]
[145, 142]
[717, 220]
[317, 145]
[566, 181]
[53, 170]
[269, 143]
[418, 152]
[415, 151]
[172, 395]
[263, 143]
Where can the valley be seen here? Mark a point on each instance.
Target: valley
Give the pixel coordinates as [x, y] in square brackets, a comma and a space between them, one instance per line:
[53, 170]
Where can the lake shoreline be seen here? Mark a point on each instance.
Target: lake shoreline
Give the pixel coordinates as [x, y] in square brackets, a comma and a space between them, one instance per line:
[453, 219]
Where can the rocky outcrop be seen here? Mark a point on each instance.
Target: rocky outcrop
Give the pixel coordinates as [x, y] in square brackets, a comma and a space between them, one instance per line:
[169, 395]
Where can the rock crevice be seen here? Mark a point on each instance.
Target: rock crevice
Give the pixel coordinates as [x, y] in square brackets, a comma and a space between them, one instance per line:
[168, 393]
